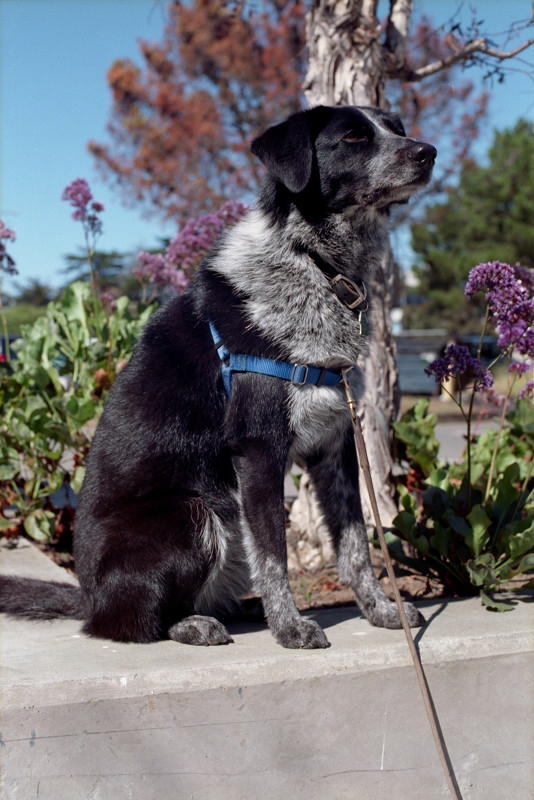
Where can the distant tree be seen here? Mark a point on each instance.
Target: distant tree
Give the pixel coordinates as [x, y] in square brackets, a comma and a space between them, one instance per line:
[181, 127]
[110, 267]
[486, 217]
[34, 293]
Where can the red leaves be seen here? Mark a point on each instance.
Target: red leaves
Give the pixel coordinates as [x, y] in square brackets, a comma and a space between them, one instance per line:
[182, 124]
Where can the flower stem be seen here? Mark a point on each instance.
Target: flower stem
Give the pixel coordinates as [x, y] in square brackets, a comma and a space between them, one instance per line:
[5, 328]
[497, 441]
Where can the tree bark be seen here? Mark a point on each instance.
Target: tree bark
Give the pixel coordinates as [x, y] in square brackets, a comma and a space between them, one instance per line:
[348, 66]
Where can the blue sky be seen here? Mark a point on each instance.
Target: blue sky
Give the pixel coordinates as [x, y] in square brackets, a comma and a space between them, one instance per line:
[54, 55]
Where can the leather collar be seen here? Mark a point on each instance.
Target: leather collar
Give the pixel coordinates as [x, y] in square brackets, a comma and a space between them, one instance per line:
[353, 295]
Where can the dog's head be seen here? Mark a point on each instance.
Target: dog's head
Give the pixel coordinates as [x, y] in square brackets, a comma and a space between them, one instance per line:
[351, 156]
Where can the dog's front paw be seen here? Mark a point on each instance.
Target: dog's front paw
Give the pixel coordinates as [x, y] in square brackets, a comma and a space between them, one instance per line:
[302, 633]
[386, 615]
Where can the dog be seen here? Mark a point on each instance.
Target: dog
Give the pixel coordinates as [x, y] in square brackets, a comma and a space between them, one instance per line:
[181, 512]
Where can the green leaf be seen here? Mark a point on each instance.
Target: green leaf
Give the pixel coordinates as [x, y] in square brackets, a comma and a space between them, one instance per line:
[441, 540]
[40, 525]
[458, 524]
[496, 605]
[522, 541]
[477, 537]
[439, 478]
[8, 472]
[6, 523]
[507, 492]
[526, 564]
[72, 406]
[405, 523]
[436, 501]
[86, 411]
[482, 570]
[77, 479]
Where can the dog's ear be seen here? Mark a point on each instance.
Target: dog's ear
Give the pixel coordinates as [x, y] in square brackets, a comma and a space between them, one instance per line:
[287, 151]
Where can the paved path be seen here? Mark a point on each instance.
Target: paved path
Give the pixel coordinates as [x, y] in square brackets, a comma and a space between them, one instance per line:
[86, 719]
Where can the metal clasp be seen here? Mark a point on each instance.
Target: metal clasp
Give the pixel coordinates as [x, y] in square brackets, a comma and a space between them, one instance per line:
[299, 366]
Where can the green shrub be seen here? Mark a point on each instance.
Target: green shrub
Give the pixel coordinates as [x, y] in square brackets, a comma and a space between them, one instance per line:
[472, 537]
[52, 395]
[471, 524]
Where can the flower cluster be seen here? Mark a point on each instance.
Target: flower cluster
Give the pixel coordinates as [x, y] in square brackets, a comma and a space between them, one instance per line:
[527, 390]
[154, 268]
[7, 264]
[510, 296]
[79, 196]
[457, 360]
[185, 252]
[198, 236]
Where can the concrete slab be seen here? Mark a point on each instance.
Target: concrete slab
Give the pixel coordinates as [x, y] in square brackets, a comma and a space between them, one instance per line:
[91, 719]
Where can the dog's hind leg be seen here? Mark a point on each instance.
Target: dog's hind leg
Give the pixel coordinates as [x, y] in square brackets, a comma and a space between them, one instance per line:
[199, 630]
[334, 472]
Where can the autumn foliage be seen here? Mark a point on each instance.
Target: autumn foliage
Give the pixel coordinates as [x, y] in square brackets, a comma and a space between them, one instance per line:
[181, 124]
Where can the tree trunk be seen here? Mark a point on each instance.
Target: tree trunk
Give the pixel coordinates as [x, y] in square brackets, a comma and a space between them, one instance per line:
[347, 66]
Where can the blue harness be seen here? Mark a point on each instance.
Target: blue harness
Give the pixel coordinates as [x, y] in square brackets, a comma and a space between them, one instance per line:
[298, 374]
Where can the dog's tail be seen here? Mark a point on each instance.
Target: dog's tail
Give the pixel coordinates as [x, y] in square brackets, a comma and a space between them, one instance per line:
[26, 597]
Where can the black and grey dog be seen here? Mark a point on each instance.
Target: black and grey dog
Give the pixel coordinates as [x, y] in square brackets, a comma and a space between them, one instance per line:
[182, 509]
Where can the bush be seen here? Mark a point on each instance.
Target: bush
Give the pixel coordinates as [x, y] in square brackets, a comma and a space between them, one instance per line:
[471, 524]
[52, 395]
[472, 537]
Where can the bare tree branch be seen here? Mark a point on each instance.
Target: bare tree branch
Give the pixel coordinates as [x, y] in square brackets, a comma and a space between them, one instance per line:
[463, 54]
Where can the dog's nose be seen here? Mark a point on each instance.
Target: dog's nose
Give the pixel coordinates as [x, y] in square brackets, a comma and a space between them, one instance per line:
[424, 153]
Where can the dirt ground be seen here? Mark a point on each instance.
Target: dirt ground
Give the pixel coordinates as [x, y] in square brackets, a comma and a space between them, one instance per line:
[320, 588]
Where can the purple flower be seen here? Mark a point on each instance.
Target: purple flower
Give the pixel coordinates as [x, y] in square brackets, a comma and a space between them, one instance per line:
[197, 237]
[79, 195]
[7, 263]
[510, 302]
[6, 233]
[494, 398]
[457, 360]
[519, 368]
[527, 390]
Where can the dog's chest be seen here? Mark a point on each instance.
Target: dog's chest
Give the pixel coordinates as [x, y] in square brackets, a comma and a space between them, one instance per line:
[317, 416]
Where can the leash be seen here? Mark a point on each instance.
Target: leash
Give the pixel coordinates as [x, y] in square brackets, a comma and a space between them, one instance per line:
[301, 374]
[427, 697]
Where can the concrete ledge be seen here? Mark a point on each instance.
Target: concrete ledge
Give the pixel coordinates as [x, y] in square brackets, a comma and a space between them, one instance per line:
[89, 719]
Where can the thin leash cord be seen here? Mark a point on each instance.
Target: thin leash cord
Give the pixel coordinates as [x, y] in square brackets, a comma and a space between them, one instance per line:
[427, 697]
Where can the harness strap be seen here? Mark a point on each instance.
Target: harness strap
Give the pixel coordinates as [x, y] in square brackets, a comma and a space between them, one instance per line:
[298, 374]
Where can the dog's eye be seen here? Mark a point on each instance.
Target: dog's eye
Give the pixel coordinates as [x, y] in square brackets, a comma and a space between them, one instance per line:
[354, 136]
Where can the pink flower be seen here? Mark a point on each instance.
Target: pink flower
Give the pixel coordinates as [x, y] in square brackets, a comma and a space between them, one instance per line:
[79, 195]
[6, 233]
[7, 264]
[185, 252]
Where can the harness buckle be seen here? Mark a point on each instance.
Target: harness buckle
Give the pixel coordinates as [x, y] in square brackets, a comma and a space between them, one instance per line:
[295, 368]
